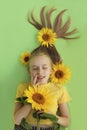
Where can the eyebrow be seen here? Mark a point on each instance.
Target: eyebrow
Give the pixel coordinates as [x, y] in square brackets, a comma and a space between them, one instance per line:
[42, 65]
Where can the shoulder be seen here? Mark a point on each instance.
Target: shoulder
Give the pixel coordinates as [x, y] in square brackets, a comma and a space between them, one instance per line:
[61, 88]
[20, 89]
[56, 86]
[23, 86]
[61, 92]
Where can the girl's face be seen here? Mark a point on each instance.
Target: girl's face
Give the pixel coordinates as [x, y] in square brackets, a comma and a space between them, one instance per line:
[40, 69]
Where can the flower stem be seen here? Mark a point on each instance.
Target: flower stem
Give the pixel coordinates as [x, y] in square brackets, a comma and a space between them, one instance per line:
[38, 125]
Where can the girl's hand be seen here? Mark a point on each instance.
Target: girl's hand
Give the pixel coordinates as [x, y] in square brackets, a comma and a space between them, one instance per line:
[34, 80]
[49, 116]
[43, 115]
[37, 114]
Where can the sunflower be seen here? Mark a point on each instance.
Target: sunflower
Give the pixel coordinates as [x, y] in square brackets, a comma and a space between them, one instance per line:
[25, 58]
[40, 97]
[60, 74]
[46, 37]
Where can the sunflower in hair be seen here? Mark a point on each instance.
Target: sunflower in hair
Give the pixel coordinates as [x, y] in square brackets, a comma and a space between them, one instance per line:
[46, 37]
[60, 29]
[60, 74]
[25, 58]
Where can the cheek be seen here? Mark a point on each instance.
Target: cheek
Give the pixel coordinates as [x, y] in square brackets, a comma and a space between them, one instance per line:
[32, 73]
[49, 72]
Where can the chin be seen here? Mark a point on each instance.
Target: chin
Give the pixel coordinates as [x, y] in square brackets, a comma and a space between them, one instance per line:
[42, 82]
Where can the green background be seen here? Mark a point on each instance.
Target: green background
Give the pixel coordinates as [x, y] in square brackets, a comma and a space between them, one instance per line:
[17, 36]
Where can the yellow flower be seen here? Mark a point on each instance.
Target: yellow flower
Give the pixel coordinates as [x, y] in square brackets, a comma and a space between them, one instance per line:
[25, 58]
[60, 74]
[40, 97]
[46, 37]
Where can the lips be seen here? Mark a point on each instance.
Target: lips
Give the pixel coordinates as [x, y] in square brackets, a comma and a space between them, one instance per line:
[40, 77]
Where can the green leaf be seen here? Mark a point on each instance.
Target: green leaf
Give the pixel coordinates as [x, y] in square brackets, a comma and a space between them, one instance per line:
[25, 124]
[56, 126]
[21, 99]
[49, 116]
[36, 115]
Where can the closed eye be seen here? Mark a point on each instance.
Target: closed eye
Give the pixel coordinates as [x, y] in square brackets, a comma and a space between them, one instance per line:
[45, 68]
[34, 68]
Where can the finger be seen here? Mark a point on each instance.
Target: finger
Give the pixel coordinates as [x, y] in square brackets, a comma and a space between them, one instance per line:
[34, 79]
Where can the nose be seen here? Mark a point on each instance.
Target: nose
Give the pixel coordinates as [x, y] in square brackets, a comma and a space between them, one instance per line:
[39, 71]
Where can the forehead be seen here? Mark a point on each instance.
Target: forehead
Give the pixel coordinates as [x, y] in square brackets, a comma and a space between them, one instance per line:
[40, 60]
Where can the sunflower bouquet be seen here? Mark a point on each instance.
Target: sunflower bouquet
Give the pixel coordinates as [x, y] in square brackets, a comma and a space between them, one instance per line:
[41, 99]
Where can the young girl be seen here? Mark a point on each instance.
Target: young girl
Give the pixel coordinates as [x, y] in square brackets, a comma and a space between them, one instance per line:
[40, 68]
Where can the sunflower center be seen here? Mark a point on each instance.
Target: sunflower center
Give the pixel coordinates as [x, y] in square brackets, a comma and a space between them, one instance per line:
[26, 59]
[59, 74]
[46, 37]
[37, 97]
